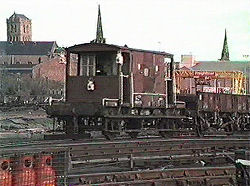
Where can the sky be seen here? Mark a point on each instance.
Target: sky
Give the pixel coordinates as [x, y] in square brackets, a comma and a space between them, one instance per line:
[175, 26]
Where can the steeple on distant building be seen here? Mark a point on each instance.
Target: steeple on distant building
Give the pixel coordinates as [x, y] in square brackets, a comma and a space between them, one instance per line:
[99, 32]
[225, 51]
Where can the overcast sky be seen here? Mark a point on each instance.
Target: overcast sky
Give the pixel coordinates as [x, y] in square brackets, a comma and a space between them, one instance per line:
[174, 26]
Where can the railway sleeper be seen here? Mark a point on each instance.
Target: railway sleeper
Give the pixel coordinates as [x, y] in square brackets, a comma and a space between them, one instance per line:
[186, 176]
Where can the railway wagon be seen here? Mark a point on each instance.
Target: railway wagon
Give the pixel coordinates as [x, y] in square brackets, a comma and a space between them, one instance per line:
[116, 88]
[219, 111]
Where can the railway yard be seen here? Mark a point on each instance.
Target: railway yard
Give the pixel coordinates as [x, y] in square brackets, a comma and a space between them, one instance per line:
[104, 114]
[147, 160]
[121, 121]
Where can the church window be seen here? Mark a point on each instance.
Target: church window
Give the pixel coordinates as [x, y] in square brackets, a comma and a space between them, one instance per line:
[24, 28]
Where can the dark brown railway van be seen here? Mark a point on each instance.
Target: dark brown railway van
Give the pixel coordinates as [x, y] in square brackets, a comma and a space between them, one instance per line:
[115, 75]
[111, 75]
[118, 85]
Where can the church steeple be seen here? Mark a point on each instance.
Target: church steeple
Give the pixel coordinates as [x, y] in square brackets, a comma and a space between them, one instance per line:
[99, 32]
[225, 51]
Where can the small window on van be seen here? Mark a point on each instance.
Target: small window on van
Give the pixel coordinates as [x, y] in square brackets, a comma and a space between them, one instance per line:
[146, 71]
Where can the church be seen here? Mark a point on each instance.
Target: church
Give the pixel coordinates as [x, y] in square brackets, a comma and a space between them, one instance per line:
[19, 54]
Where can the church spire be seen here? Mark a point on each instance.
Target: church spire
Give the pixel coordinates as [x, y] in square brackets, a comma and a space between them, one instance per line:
[99, 32]
[225, 51]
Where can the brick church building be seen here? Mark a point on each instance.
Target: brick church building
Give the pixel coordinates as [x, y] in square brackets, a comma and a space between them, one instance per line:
[19, 54]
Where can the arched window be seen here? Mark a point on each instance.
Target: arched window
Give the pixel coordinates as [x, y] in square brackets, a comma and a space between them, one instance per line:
[17, 62]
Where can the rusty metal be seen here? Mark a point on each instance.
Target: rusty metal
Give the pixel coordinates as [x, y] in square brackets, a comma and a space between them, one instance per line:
[211, 102]
[181, 176]
[71, 157]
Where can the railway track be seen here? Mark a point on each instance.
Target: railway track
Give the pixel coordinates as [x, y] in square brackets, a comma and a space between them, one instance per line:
[132, 144]
[92, 157]
[224, 175]
[5, 143]
[133, 153]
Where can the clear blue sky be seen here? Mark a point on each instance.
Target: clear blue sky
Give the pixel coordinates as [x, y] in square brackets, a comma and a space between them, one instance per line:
[175, 26]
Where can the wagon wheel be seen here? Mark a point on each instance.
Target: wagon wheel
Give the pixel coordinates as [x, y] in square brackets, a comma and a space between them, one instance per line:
[133, 135]
[132, 125]
[108, 135]
[198, 127]
[165, 134]
[163, 124]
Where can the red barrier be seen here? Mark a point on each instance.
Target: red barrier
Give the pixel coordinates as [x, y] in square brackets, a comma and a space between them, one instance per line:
[5, 174]
[26, 175]
[46, 175]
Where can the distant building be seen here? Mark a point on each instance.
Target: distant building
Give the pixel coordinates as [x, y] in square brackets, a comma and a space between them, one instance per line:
[225, 51]
[232, 66]
[53, 69]
[25, 55]
[187, 61]
[19, 28]
[19, 54]
[99, 31]
[189, 64]
[26, 52]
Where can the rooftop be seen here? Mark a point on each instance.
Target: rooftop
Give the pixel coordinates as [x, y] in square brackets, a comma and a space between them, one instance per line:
[243, 66]
[18, 16]
[93, 47]
[27, 47]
